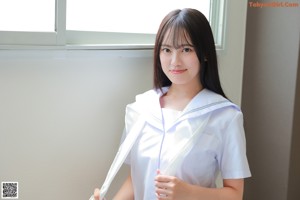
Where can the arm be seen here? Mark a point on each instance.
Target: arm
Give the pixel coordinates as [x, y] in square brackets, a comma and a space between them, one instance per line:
[175, 188]
[125, 192]
[232, 190]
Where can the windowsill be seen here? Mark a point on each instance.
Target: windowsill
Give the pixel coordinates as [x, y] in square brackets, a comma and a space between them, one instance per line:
[108, 47]
[80, 47]
[81, 51]
[111, 47]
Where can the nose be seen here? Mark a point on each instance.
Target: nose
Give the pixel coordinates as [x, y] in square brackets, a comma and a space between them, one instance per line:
[175, 61]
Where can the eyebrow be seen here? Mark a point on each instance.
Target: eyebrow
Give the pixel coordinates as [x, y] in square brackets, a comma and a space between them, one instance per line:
[179, 46]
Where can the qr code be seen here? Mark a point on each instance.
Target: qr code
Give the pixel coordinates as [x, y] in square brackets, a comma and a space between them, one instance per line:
[9, 190]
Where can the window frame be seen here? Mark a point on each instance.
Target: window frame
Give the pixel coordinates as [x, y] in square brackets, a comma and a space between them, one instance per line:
[218, 24]
[57, 37]
[101, 40]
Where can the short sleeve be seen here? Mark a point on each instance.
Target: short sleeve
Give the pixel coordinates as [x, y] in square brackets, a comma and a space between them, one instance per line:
[233, 159]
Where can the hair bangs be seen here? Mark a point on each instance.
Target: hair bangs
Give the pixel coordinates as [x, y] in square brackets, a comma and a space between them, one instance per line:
[176, 35]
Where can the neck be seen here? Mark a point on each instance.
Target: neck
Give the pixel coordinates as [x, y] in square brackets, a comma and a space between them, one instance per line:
[183, 91]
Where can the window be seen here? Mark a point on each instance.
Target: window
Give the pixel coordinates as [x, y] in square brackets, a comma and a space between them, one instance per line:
[20, 15]
[130, 16]
[32, 22]
[86, 22]
[121, 21]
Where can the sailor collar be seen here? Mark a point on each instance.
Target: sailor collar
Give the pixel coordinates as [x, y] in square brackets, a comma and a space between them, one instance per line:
[205, 101]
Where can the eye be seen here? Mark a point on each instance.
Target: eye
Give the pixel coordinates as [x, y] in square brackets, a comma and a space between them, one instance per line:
[165, 50]
[187, 49]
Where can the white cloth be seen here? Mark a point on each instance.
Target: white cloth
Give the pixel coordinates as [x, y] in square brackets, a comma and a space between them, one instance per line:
[221, 147]
[170, 116]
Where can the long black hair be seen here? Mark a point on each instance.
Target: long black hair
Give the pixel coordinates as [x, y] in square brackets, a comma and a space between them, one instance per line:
[191, 24]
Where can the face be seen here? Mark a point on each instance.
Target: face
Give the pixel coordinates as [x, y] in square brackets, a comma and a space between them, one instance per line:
[180, 64]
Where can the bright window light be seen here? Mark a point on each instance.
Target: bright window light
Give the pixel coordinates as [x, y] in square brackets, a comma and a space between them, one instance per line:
[27, 15]
[126, 16]
[114, 23]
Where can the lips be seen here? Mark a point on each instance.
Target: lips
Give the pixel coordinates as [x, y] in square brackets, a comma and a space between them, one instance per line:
[178, 71]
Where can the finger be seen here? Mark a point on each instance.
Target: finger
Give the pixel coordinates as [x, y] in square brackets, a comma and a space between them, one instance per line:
[162, 178]
[161, 196]
[161, 185]
[162, 191]
[97, 194]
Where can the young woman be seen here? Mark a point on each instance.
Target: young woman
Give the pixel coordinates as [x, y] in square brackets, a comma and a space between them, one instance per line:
[186, 112]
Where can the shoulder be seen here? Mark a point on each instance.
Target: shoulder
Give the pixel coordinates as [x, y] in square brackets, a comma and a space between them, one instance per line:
[207, 101]
[227, 119]
[145, 96]
[228, 113]
[223, 110]
[144, 101]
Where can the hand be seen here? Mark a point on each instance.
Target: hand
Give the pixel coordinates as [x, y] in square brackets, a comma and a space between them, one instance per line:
[170, 188]
[97, 194]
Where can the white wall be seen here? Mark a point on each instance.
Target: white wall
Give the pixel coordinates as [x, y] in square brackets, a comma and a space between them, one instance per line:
[231, 59]
[61, 116]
